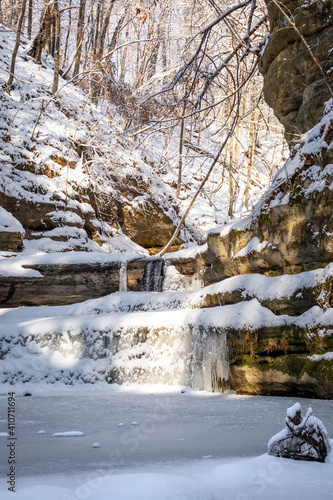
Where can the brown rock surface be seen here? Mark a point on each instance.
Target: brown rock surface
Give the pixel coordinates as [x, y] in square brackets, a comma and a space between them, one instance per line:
[60, 285]
[294, 85]
[10, 241]
[147, 225]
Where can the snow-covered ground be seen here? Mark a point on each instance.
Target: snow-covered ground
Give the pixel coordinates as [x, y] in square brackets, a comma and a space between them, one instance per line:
[171, 445]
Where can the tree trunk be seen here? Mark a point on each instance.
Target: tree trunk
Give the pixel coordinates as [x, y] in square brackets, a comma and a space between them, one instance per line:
[41, 40]
[180, 159]
[79, 36]
[123, 59]
[231, 196]
[7, 12]
[251, 151]
[56, 46]
[105, 28]
[97, 29]
[117, 30]
[231, 181]
[68, 33]
[29, 30]
[17, 44]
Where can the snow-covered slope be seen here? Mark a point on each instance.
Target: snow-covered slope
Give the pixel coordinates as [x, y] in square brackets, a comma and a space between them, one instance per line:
[65, 171]
[74, 181]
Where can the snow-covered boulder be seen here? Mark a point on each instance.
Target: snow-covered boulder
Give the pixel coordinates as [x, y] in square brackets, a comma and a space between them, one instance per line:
[302, 438]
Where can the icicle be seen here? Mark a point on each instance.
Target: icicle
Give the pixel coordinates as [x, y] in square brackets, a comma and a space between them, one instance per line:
[123, 277]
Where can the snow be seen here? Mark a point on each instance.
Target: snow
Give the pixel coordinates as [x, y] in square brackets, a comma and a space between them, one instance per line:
[253, 245]
[79, 343]
[187, 253]
[68, 434]
[278, 436]
[8, 223]
[311, 144]
[177, 282]
[62, 177]
[263, 476]
[200, 446]
[328, 356]
[82, 342]
[312, 179]
[58, 176]
[237, 225]
[311, 424]
[291, 412]
[10, 266]
[15, 264]
[66, 217]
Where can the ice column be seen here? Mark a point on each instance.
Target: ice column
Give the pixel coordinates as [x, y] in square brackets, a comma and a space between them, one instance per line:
[207, 359]
[123, 277]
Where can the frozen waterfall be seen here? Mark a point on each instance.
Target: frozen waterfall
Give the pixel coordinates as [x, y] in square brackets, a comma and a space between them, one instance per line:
[130, 337]
[123, 277]
[153, 277]
[176, 347]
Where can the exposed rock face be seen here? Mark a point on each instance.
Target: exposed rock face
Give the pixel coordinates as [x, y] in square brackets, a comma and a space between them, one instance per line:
[275, 361]
[10, 241]
[290, 230]
[145, 275]
[11, 231]
[135, 273]
[294, 84]
[60, 285]
[148, 226]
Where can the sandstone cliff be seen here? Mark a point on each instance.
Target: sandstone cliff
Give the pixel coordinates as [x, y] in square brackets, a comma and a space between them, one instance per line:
[298, 71]
[290, 230]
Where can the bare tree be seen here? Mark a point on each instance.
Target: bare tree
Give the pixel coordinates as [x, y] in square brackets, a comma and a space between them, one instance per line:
[79, 37]
[29, 28]
[17, 44]
[56, 46]
[43, 37]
